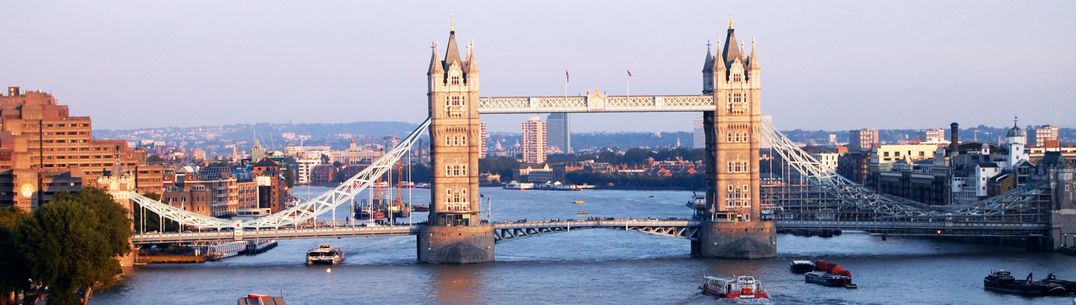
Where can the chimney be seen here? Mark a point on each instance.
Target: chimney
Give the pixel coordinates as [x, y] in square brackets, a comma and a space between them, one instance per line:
[954, 138]
[13, 91]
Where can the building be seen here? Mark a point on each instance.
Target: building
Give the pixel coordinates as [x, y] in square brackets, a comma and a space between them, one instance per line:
[323, 174]
[534, 141]
[1047, 136]
[273, 191]
[559, 137]
[484, 136]
[827, 160]
[934, 136]
[306, 162]
[43, 149]
[885, 155]
[863, 139]
[698, 134]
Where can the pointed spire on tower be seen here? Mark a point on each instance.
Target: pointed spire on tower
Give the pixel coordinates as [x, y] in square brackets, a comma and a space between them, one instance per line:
[435, 61]
[732, 48]
[708, 65]
[753, 60]
[452, 55]
[472, 60]
[719, 59]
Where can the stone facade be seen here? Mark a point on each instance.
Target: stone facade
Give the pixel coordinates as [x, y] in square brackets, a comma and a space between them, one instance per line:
[732, 154]
[742, 240]
[455, 233]
[456, 244]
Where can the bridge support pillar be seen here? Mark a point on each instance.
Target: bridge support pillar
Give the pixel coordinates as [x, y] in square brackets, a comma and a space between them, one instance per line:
[455, 244]
[736, 240]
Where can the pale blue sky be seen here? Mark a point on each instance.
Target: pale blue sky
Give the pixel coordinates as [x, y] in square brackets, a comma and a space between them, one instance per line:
[827, 64]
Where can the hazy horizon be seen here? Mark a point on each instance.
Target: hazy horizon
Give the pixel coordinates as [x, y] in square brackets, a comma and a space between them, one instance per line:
[832, 65]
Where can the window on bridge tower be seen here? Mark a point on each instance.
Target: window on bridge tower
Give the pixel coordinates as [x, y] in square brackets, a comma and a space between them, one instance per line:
[455, 80]
[454, 106]
[737, 77]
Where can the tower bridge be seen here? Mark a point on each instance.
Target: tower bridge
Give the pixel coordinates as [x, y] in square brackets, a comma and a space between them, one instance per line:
[730, 222]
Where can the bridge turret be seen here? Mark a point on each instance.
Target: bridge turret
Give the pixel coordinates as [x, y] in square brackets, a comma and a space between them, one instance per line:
[708, 72]
[732, 226]
[455, 233]
[720, 72]
[436, 73]
[754, 66]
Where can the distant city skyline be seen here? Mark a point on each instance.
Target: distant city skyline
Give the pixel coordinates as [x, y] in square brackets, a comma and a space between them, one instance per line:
[868, 65]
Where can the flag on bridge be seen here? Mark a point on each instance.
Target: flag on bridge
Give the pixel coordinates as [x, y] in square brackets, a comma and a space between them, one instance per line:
[629, 72]
[567, 77]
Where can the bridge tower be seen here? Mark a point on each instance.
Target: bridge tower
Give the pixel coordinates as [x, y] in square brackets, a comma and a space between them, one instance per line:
[732, 226]
[454, 233]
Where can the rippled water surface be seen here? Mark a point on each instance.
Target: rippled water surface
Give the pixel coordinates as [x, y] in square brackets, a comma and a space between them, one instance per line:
[591, 266]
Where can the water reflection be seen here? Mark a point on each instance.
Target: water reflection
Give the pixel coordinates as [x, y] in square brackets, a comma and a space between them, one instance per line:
[459, 284]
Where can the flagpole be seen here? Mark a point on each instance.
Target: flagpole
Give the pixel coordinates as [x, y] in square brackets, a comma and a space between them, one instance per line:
[566, 80]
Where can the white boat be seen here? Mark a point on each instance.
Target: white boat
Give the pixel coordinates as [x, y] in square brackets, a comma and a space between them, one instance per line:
[325, 254]
[515, 185]
[741, 287]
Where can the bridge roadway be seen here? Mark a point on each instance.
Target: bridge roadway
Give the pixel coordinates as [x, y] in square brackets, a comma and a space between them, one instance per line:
[680, 228]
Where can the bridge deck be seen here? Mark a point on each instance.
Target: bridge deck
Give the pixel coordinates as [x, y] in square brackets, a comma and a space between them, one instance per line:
[682, 228]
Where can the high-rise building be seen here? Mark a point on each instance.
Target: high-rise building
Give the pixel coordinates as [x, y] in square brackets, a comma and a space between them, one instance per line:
[43, 150]
[534, 141]
[560, 133]
[1047, 136]
[698, 134]
[484, 146]
[863, 139]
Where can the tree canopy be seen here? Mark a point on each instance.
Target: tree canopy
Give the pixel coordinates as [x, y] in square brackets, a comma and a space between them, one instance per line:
[72, 242]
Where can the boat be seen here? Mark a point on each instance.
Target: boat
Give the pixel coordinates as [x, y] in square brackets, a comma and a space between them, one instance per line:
[1002, 281]
[829, 274]
[261, 299]
[582, 212]
[801, 266]
[516, 185]
[828, 279]
[420, 208]
[325, 254]
[579, 201]
[741, 287]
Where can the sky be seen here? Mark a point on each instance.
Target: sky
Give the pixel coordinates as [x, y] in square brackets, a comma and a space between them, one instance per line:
[826, 64]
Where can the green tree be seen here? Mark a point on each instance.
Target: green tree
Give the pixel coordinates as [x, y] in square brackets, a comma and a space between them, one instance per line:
[74, 241]
[13, 265]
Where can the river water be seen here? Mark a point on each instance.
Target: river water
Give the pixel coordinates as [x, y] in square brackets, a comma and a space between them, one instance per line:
[591, 266]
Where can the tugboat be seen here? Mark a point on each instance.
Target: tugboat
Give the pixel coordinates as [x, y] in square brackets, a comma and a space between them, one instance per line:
[1002, 281]
[325, 254]
[579, 201]
[741, 287]
[801, 266]
[830, 274]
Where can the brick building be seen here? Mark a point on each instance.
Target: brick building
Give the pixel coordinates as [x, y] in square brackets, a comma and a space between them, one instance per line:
[43, 150]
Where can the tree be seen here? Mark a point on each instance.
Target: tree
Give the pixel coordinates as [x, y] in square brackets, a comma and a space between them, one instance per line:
[13, 265]
[74, 241]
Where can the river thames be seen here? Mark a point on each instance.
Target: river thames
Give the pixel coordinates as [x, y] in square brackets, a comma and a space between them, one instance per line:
[591, 266]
